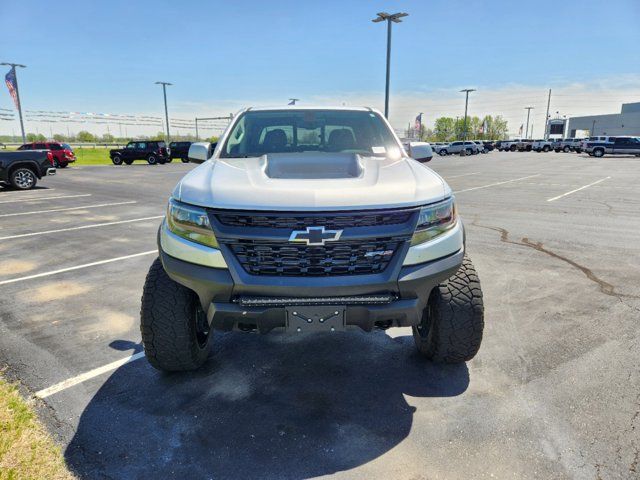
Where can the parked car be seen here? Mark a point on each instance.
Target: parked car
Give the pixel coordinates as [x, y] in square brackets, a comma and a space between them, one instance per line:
[542, 145]
[564, 145]
[469, 147]
[499, 145]
[480, 145]
[62, 152]
[525, 145]
[489, 145]
[556, 144]
[614, 145]
[600, 138]
[23, 169]
[510, 145]
[179, 150]
[261, 239]
[576, 145]
[442, 149]
[153, 152]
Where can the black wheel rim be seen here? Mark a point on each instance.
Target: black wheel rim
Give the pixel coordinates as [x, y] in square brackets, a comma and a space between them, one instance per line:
[202, 326]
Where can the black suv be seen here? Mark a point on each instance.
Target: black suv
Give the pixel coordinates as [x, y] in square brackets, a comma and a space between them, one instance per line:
[153, 152]
[179, 150]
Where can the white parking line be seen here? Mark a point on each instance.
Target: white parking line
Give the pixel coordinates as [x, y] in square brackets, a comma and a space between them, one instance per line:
[497, 183]
[463, 175]
[577, 189]
[38, 199]
[77, 267]
[83, 377]
[93, 225]
[67, 209]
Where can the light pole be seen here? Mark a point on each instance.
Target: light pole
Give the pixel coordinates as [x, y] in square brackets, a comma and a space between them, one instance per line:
[395, 18]
[166, 112]
[466, 104]
[528, 109]
[15, 82]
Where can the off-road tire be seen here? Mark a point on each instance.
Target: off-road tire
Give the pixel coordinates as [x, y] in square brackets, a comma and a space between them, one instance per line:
[116, 160]
[152, 160]
[443, 152]
[546, 148]
[452, 324]
[23, 178]
[185, 160]
[168, 317]
[598, 152]
[566, 149]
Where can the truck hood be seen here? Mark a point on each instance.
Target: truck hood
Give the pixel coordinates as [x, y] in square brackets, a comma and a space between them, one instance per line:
[311, 181]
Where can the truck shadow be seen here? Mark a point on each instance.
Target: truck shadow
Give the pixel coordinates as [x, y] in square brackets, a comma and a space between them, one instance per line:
[262, 407]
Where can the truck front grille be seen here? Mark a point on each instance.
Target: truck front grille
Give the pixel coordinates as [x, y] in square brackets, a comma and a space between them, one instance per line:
[329, 221]
[361, 257]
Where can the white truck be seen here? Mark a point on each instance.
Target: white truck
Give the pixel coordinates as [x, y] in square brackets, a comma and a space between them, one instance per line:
[542, 145]
[310, 220]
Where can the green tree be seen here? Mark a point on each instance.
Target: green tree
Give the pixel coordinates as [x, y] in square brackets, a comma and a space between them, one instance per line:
[444, 129]
[108, 138]
[84, 136]
[33, 137]
[59, 137]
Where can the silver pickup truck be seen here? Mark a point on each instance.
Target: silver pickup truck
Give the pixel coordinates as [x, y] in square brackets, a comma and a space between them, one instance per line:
[310, 220]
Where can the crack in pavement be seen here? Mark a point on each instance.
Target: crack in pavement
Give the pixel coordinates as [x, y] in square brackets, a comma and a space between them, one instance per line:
[605, 287]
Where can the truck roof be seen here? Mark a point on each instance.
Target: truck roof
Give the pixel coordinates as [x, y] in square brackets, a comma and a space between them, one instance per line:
[314, 107]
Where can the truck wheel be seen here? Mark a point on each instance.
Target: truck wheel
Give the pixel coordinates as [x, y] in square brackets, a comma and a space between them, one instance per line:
[546, 148]
[175, 332]
[443, 152]
[117, 160]
[23, 178]
[152, 160]
[169, 160]
[566, 149]
[452, 323]
[185, 160]
[598, 152]
[513, 148]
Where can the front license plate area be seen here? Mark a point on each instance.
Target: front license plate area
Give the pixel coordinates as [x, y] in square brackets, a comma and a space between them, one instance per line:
[320, 318]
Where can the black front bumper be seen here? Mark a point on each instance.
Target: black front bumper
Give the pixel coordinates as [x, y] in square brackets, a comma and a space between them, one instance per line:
[220, 293]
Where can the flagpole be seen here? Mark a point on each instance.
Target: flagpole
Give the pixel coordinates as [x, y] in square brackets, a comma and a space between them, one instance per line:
[15, 76]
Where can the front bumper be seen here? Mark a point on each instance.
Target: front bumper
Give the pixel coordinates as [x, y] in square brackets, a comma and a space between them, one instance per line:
[221, 291]
[51, 171]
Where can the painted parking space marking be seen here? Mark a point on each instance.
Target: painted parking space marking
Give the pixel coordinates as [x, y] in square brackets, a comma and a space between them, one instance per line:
[83, 377]
[83, 227]
[497, 183]
[67, 209]
[76, 267]
[41, 199]
[577, 189]
[463, 175]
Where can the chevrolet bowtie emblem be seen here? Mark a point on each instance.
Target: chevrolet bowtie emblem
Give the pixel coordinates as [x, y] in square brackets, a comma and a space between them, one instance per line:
[315, 236]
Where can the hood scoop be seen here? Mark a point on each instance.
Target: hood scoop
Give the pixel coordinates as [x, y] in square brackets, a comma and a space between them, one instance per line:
[312, 166]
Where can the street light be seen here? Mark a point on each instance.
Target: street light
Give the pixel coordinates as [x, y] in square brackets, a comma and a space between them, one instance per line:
[395, 18]
[166, 112]
[466, 104]
[15, 76]
[528, 109]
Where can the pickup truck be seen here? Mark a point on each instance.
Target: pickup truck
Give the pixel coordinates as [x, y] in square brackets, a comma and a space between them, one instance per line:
[614, 146]
[153, 152]
[310, 221]
[542, 145]
[23, 169]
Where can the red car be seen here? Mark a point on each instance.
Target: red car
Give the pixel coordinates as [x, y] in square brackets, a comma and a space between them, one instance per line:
[62, 153]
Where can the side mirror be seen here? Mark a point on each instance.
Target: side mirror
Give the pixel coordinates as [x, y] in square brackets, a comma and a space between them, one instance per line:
[420, 151]
[199, 152]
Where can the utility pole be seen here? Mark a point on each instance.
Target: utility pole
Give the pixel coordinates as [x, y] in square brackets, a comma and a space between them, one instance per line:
[395, 18]
[528, 109]
[15, 81]
[166, 111]
[197, 137]
[466, 104]
[593, 128]
[546, 119]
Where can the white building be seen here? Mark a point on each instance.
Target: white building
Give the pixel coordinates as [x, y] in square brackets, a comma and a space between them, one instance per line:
[627, 122]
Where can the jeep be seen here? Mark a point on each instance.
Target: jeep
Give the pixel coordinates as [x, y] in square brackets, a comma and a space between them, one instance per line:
[152, 151]
[310, 221]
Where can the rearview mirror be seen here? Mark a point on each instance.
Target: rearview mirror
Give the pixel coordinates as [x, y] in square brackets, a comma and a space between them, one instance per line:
[420, 151]
[199, 152]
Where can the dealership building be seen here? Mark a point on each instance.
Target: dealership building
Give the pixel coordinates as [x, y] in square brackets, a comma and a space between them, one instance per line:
[627, 122]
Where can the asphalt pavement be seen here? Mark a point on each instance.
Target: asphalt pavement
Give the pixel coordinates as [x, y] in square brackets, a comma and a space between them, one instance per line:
[553, 393]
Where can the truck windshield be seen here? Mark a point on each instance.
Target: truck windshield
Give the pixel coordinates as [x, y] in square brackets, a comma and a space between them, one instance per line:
[261, 132]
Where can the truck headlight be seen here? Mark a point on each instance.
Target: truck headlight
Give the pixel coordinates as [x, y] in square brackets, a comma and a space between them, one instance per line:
[434, 220]
[191, 223]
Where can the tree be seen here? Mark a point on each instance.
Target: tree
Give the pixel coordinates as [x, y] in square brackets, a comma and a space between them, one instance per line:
[107, 138]
[59, 137]
[87, 137]
[444, 129]
[32, 137]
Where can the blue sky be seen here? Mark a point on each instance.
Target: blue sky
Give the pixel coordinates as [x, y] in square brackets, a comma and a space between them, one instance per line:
[105, 56]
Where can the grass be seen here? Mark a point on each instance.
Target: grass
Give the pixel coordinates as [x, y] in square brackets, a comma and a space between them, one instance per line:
[92, 156]
[26, 449]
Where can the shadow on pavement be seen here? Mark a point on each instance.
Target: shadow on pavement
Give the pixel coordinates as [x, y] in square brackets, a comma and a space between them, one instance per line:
[262, 407]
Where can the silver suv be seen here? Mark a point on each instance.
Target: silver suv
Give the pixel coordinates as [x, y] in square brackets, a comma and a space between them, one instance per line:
[310, 220]
[471, 148]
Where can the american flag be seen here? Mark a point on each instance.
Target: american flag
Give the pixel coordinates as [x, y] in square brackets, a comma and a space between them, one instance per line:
[418, 125]
[10, 80]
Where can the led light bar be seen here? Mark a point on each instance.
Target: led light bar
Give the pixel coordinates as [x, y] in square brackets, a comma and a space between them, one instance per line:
[295, 301]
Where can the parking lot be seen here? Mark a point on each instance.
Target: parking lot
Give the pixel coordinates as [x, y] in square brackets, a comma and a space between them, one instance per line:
[553, 393]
